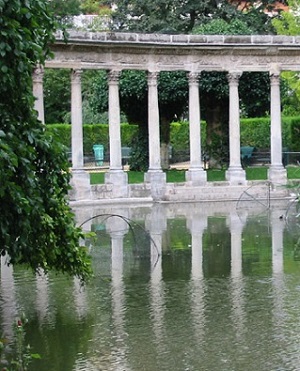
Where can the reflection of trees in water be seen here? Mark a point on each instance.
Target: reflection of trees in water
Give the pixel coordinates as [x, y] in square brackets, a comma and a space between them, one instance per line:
[257, 245]
[216, 248]
[292, 219]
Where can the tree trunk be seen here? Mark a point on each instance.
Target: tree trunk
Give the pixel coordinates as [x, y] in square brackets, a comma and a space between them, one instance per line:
[165, 143]
[217, 134]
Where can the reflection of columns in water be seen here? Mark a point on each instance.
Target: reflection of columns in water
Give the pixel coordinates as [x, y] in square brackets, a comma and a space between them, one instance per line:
[8, 299]
[277, 241]
[197, 224]
[117, 228]
[157, 301]
[80, 298]
[156, 224]
[236, 224]
[279, 290]
[236, 228]
[42, 296]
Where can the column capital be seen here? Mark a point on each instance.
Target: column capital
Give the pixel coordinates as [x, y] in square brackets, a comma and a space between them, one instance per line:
[76, 76]
[193, 78]
[274, 77]
[152, 77]
[114, 76]
[38, 74]
[233, 77]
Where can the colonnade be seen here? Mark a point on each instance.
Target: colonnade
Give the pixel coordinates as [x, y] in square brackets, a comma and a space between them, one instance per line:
[155, 176]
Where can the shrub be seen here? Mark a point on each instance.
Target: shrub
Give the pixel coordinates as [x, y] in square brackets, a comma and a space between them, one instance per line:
[92, 134]
[255, 132]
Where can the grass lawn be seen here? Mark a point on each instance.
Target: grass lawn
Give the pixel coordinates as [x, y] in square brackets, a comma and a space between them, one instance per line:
[177, 176]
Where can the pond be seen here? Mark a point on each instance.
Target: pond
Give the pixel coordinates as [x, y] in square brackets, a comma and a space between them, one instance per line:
[177, 287]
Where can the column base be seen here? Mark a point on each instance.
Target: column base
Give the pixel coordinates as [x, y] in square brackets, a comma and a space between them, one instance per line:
[236, 175]
[157, 180]
[196, 177]
[119, 180]
[277, 175]
[81, 185]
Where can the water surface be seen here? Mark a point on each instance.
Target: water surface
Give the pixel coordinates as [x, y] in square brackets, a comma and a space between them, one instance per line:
[176, 287]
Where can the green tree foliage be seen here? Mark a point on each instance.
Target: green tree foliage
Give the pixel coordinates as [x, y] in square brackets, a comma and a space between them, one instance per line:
[214, 91]
[178, 16]
[37, 227]
[64, 10]
[99, 7]
[289, 24]
[205, 17]
[57, 95]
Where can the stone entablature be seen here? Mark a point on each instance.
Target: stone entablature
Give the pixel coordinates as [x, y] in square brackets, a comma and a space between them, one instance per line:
[177, 40]
[158, 52]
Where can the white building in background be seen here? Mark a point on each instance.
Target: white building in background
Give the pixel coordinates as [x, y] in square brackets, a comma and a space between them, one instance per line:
[92, 22]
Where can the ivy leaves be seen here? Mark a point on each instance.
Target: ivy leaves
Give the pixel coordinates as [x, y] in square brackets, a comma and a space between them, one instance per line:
[37, 226]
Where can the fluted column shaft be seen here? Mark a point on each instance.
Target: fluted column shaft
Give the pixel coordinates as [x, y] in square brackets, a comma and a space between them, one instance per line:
[235, 173]
[76, 119]
[276, 138]
[114, 121]
[276, 173]
[153, 123]
[234, 121]
[194, 120]
[195, 175]
[37, 79]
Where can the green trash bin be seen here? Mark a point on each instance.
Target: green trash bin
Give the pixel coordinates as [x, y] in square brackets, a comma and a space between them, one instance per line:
[99, 154]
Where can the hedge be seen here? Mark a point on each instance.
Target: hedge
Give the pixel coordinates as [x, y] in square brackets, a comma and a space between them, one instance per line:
[92, 134]
[255, 132]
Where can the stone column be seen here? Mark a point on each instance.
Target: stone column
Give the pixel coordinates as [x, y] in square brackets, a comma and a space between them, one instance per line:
[195, 175]
[114, 121]
[115, 176]
[235, 174]
[277, 173]
[76, 119]
[155, 176]
[80, 182]
[37, 79]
